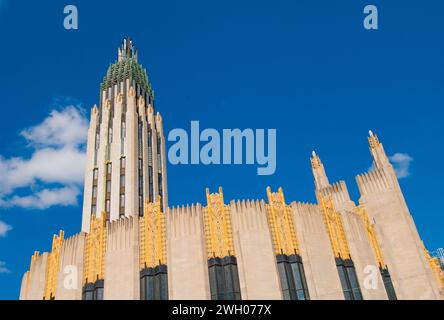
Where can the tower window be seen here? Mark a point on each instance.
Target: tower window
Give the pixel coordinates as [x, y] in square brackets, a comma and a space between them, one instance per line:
[154, 283]
[122, 201]
[292, 277]
[348, 278]
[224, 278]
[122, 163]
[388, 284]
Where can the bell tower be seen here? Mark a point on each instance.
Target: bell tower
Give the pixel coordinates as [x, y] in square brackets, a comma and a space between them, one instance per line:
[126, 161]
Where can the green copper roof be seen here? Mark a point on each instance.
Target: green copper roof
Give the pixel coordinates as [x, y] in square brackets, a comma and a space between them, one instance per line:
[127, 68]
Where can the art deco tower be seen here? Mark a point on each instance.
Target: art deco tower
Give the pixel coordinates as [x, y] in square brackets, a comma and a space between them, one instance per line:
[126, 163]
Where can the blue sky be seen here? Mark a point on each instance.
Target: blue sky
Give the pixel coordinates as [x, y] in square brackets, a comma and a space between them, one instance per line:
[307, 68]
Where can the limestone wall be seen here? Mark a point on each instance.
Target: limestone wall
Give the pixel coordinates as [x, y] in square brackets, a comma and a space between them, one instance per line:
[69, 284]
[186, 254]
[361, 250]
[258, 274]
[400, 243]
[122, 260]
[317, 256]
[37, 278]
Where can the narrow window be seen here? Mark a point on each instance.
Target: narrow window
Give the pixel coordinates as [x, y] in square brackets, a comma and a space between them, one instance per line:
[224, 278]
[388, 284]
[154, 283]
[292, 277]
[348, 278]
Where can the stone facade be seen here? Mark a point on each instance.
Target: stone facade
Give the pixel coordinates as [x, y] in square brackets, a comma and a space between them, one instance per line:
[254, 240]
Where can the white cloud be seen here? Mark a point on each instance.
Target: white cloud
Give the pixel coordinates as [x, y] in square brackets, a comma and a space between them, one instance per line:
[3, 269]
[401, 164]
[60, 129]
[58, 159]
[4, 228]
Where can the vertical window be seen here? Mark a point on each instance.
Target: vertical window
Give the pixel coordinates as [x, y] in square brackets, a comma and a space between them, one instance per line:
[93, 291]
[93, 209]
[94, 192]
[292, 277]
[108, 168]
[122, 163]
[154, 283]
[123, 130]
[122, 201]
[349, 280]
[110, 135]
[122, 181]
[224, 278]
[95, 174]
[107, 205]
[108, 186]
[388, 284]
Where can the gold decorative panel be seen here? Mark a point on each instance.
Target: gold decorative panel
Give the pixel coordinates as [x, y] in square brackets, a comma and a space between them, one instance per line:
[152, 236]
[281, 223]
[335, 227]
[217, 226]
[435, 266]
[95, 247]
[371, 233]
[52, 267]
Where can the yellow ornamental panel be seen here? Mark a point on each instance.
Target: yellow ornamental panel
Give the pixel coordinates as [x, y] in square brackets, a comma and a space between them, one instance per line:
[371, 233]
[334, 226]
[52, 267]
[281, 223]
[152, 228]
[95, 247]
[217, 226]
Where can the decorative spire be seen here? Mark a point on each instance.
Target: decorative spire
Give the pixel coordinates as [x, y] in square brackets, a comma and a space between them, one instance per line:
[321, 180]
[127, 50]
[380, 158]
[373, 140]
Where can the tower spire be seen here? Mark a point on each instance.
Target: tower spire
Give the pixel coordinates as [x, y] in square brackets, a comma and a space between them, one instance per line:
[321, 180]
[127, 50]
[380, 158]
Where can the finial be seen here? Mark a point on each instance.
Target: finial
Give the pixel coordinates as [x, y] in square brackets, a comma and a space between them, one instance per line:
[373, 139]
[127, 50]
[315, 160]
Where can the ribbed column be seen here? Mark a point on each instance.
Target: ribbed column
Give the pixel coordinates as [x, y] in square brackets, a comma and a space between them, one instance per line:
[101, 158]
[159, 125]
[131, 155]
[115, 157]
[89, 166]
[144, 151]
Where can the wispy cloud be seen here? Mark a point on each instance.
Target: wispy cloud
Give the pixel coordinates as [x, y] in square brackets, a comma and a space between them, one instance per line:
[401, 164]
[53, 174]
[3, 268]
[4, 229]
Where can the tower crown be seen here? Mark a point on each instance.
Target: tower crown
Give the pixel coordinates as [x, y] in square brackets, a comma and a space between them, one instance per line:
[127, 68]
[127, 50]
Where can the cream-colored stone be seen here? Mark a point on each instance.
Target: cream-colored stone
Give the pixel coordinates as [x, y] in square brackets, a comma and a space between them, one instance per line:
[254, 251]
